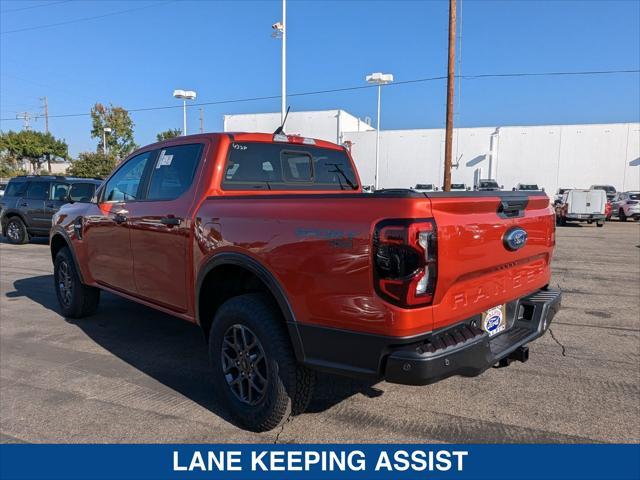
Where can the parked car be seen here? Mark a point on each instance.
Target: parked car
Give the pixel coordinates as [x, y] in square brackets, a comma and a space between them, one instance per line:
[527, 187]
[582, 206]
[270, 245]
[488, 185]
[626, 205]
[30, 202]
[608, 189]
[558, 197]
[425, 187]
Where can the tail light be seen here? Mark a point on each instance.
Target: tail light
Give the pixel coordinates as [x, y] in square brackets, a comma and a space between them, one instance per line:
[405, 261]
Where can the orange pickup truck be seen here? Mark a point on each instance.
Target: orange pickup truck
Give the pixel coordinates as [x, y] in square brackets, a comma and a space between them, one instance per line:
[270, 245]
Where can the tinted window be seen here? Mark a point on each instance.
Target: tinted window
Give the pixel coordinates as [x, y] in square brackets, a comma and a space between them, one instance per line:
[82, 192]
[125, 183]
[173, 171]
[634, 196]
[38, 190]
[15, 188]
[59, 191]
[269, 166]
[457, 186]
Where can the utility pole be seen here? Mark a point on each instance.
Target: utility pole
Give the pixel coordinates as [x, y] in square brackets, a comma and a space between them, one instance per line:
[45, 107]
[448, 142]
[25, 116]
[201, 121]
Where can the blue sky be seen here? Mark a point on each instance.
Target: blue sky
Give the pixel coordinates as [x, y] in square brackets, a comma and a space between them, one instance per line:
[224, 50]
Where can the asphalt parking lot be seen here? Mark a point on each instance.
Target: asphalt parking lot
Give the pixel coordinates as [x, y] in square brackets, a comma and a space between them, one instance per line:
[131, 374]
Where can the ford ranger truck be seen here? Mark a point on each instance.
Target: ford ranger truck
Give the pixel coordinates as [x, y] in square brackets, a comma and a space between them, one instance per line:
[268, 243]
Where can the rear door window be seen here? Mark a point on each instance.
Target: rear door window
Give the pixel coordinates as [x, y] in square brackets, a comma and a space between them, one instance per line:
[38, 190]
[272, 166]
[173, 172]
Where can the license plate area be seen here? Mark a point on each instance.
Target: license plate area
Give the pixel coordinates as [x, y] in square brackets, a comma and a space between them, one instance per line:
[494, 320]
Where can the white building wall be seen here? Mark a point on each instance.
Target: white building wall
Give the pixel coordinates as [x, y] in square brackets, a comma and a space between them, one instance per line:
[327, 125]
[552, 156]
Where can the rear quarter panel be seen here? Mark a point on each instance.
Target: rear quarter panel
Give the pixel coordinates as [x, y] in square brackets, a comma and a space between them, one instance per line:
[318, 247]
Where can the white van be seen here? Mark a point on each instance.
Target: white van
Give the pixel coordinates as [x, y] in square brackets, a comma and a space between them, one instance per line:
[582, 206]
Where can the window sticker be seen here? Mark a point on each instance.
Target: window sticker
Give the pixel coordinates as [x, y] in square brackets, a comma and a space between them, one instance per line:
[164, 159]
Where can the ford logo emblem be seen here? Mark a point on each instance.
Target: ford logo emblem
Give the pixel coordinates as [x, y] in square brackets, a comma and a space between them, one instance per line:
[492, 323]
[515, 239]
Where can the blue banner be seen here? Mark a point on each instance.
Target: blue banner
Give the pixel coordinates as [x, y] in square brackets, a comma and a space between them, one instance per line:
[282, 462]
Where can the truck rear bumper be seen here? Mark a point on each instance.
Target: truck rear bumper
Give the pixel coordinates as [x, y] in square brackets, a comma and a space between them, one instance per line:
[460, 349]
[471, 355]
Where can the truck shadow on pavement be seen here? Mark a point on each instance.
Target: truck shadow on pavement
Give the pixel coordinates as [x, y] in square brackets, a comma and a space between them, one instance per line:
[168, 349]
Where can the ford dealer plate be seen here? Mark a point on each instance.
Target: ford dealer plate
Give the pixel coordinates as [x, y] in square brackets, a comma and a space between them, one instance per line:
[494, 320]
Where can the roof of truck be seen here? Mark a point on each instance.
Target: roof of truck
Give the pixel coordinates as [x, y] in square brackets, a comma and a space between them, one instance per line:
[294, 139]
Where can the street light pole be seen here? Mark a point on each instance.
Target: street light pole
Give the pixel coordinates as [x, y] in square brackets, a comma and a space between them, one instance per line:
[184, 116]
[283, 105]
[184, 95]
[375, 182]
[105, 148]
[378, 79]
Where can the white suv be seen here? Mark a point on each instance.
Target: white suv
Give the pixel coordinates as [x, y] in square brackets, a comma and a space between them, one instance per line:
[626, 205]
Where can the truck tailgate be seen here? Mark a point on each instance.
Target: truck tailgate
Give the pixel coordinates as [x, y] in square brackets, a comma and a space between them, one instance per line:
[477, 269]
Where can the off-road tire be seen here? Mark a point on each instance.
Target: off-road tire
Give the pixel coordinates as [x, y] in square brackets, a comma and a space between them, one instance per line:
[600, 223]
[82, 300]
[16, 231]
[622, 216]
[289, 385]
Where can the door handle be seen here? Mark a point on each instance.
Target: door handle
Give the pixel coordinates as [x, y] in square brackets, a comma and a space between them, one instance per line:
[24, 204]
[170, 221]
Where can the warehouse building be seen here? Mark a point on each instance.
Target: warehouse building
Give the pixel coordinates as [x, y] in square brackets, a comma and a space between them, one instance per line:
[551, 156]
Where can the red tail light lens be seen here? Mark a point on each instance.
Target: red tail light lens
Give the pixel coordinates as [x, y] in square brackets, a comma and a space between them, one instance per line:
[405, 261]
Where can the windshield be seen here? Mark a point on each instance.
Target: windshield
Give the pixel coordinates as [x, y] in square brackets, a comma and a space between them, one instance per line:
[634, 196]
[528, 187]
[457, 186]
[488, 184]
[424, 186]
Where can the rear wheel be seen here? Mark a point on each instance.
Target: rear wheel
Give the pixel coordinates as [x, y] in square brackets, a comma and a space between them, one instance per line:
[17, 231]
[622, 215]
[600, 223]
[76, 299]
[254, 368]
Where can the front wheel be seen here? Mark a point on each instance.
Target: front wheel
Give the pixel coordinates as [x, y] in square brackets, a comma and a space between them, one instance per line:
[76, 299]
[600, 223]
[254, 368]
[16, 231]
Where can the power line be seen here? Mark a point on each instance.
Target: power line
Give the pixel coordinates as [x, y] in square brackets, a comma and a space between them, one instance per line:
[359, 87]
[49, 4]
[77, 20]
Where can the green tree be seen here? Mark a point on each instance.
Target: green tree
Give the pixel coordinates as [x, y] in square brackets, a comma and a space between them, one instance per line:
[167, 134]
[92, 164]
[34, 147]
[120, 140]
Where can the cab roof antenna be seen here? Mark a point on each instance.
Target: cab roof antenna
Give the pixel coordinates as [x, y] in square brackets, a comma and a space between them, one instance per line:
[280, 129]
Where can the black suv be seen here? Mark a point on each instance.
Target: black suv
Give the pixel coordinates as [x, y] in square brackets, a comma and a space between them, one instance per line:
[30, 201]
